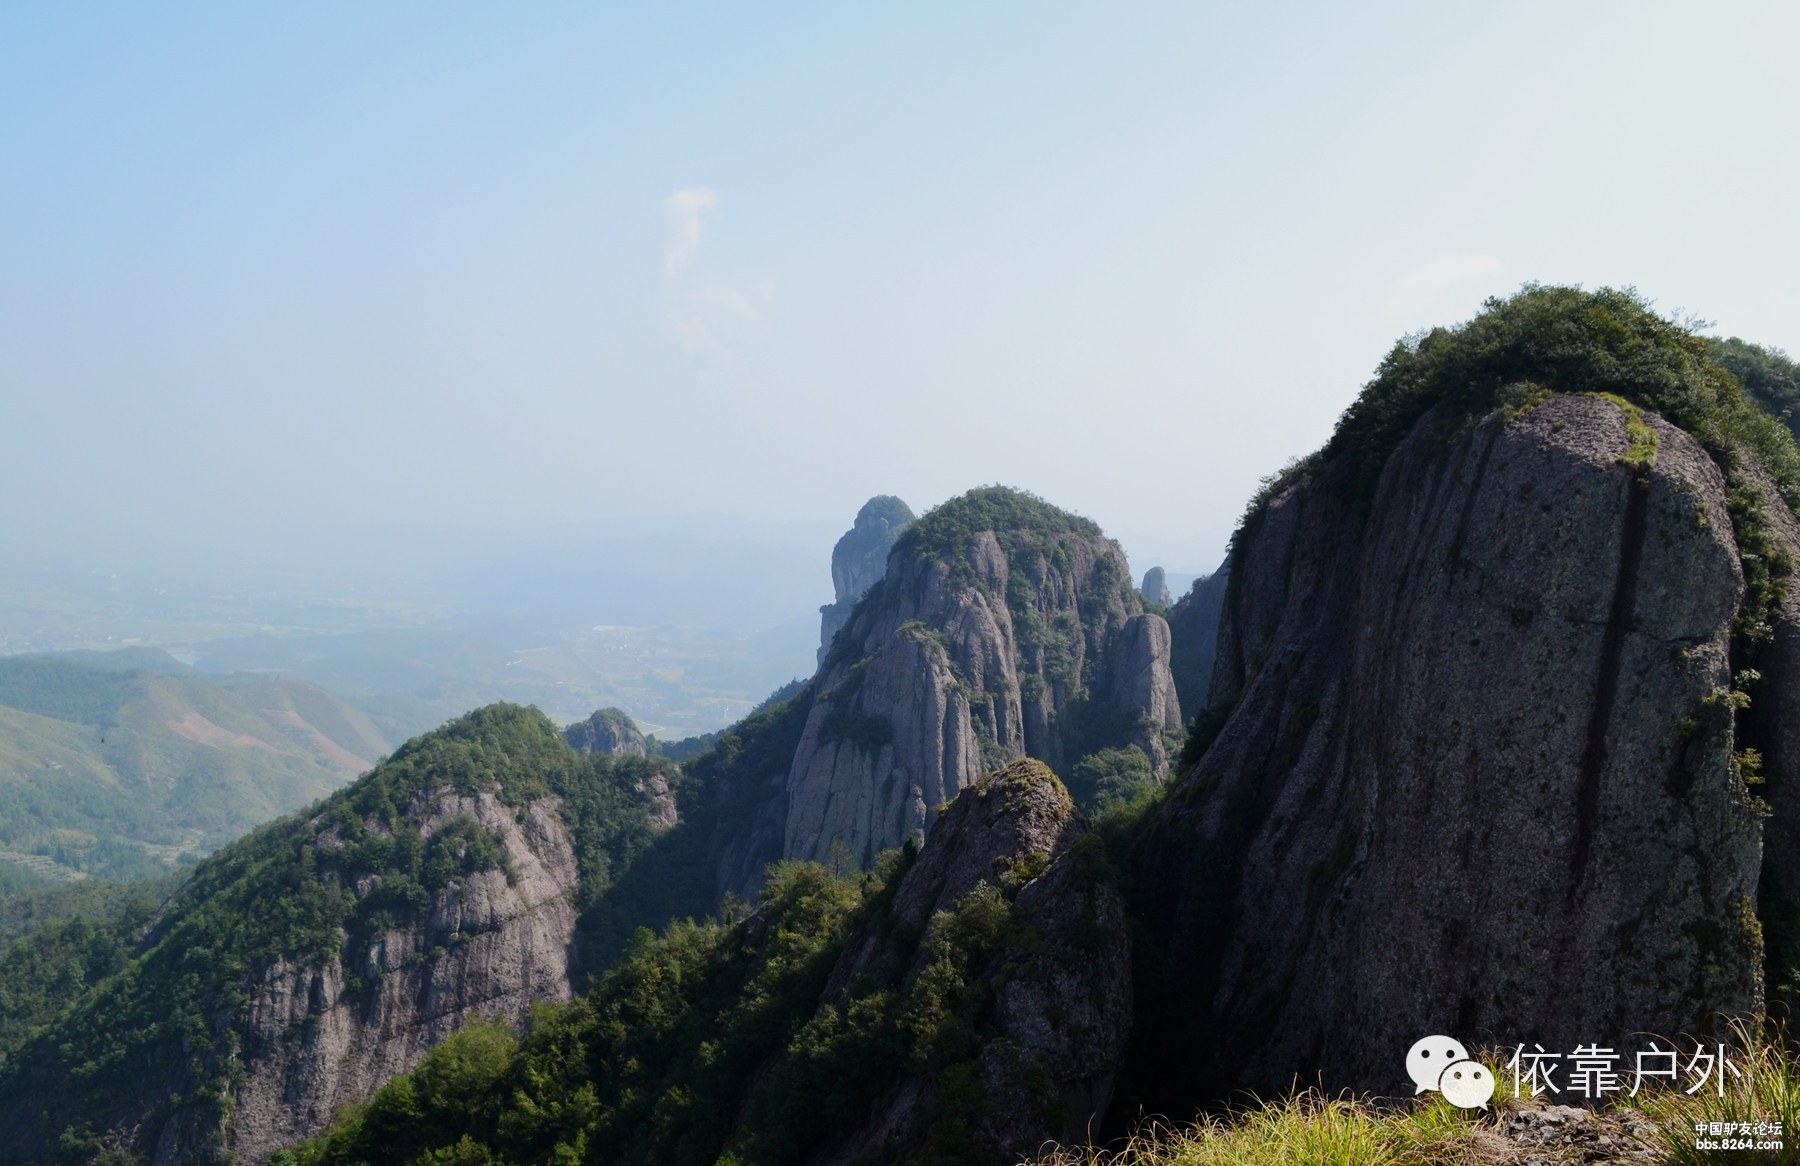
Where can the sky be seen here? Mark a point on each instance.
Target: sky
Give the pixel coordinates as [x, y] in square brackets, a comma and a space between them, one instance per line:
[290, 275]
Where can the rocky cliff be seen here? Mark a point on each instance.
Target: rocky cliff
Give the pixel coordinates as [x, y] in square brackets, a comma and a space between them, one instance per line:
[962, 1004]
[306, 964]
[489, 946]
[1003, 628]
[1479, 765]
[859, 560]
[1155, 587]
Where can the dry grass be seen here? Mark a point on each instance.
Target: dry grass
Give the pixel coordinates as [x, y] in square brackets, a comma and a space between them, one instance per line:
[1768, 1090]
[1311, 1129]
[1304, 1129]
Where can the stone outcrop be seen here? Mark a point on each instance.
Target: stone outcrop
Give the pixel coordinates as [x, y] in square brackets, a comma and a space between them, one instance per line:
[859, 560]
[1057, 1024]
[610, 731]
[488, 947]
[1476, 772]
[1155, 587]
[1004, 628]
[1193, 637]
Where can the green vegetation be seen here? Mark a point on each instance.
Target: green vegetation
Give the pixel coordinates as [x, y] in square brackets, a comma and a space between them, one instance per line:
[716, 1042]
[1767, 374]
[723, 793]
[64, 690]
[29, 910]
[1203, 730]
[650, 1066]
[1559, 340]
[284, 893]
[58, 942]
[867, 732]
[1641, 442]
[944, 532]
[127, 771]
[885, 508]
[1303, 1129]
[1045, 643]
[1114, 782]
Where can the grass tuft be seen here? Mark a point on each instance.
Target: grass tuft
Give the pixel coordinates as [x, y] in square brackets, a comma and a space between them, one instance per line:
[1303, 1129]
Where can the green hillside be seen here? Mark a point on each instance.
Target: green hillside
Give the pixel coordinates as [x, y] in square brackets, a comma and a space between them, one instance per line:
[115, 1002]
[127, 771]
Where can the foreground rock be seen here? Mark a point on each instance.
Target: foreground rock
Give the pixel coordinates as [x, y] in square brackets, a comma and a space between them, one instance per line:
[1476, 773]
[1056, 1026]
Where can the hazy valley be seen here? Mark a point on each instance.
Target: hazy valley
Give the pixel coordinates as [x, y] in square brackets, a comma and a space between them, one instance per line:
[1029, 853]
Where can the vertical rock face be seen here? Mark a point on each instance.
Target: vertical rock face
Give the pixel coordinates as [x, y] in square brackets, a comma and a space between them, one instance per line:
[858, 561]
[1004, 628]
[1774, 724]
[609, 731]
[1477, 777]
[1155, 588]
[1194, 635]
[487, 947]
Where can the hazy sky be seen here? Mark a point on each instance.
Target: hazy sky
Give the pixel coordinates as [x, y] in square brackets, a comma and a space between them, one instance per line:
[347, 266]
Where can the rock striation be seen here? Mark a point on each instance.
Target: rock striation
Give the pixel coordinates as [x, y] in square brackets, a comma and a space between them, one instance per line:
[487, 947]
[1004, 628]
[1477, 769]
[859, 560]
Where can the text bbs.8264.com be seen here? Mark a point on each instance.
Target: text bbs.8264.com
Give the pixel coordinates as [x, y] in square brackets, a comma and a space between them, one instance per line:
[1737, 1135]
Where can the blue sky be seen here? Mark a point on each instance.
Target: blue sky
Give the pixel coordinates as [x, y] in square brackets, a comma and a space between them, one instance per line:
[329, 268]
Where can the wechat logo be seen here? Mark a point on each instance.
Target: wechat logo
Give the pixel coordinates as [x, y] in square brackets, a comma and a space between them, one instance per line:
[1441, 1064]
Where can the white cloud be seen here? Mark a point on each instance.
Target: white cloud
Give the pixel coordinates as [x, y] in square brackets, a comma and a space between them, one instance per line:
[683, 209]
[699, 314]
[1437, 283]
[743, 303]
[692, 333]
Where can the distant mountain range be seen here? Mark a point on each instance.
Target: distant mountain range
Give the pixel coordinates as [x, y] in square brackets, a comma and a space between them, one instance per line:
[127, 763]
